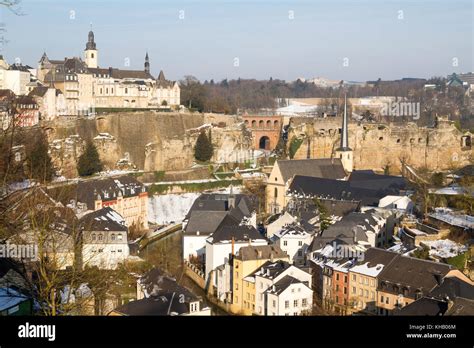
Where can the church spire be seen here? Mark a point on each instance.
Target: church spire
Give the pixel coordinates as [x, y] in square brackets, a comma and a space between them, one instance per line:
[147, 63]
[344, 133]
[90, 45]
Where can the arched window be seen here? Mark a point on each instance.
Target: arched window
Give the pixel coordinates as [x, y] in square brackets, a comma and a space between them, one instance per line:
[93, 236]
[260, 124]
[112, 237]
[276, 124]
[100, 237]
[269, 124]
[92, 55]
[254, 124]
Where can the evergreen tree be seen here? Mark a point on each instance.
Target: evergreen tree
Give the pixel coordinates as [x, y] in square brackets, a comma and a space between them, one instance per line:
[39, 162]
[89, 162]
[203, 150]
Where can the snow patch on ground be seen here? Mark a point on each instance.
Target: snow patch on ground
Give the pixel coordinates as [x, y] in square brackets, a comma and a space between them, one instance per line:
[164, 209]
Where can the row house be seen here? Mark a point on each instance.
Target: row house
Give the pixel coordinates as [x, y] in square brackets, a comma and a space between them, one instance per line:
[281, 289]
[247, 260]
[375, 282]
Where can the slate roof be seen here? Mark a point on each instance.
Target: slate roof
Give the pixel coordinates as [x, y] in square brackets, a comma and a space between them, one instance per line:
[377, 256]
[166, 304]
[130, 74]
[260, 252]
[271, 270]
[39, 91]
[453, 287]
[435, 307]
[209, 210]
[351, 229]
[283, 284]
[108, 189]
[165, 296]
[411, 274]
[220, 202]
[368, 192]
[204, 222]
[105, 219]
[319, 168]
[424, 306]
[231, 228]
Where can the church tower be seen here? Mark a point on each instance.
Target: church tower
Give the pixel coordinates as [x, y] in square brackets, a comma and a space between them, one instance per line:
[344, 152]
[90, 53]
[147, 64]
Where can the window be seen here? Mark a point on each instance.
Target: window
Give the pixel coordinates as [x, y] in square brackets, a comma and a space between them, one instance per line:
[236, 286]
[285, 243]
[295, 303]
[354, 277]
[300, 252]
[372, 282]
[345, 290]
[354, 290]
[366, 281]
[387, 300]
[304, 302]
[337, 287]
[372, 295]
[100, 237]
[274, 303]
[112, 237]
[360, 280]
[361, 292]
[381, 298]
[287, 304]
[300, 243]
[93, 236]
[345, 279]
[337, 276]
[276, 193]
[366, 293]
[119, 237]
[126, 91]
[92, 55]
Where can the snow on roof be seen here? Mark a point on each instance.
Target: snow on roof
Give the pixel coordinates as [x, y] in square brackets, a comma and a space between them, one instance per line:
[366, 270]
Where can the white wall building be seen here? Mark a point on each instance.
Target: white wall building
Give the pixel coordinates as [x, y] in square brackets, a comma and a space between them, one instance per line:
[402, 203]
[294, 241]
[104, 238]
[269, 275]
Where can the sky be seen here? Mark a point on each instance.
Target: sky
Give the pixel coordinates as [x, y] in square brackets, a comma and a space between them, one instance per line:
[354, 40]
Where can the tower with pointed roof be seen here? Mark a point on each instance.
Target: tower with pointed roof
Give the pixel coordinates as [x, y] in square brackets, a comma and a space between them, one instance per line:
[344, 152]
[90, 53]
[147, 63]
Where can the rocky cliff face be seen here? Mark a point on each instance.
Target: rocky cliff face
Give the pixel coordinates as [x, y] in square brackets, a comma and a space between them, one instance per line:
[377, 145]
[149, 141]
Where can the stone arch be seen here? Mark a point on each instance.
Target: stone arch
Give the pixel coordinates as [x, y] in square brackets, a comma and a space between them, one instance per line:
[264, 143]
